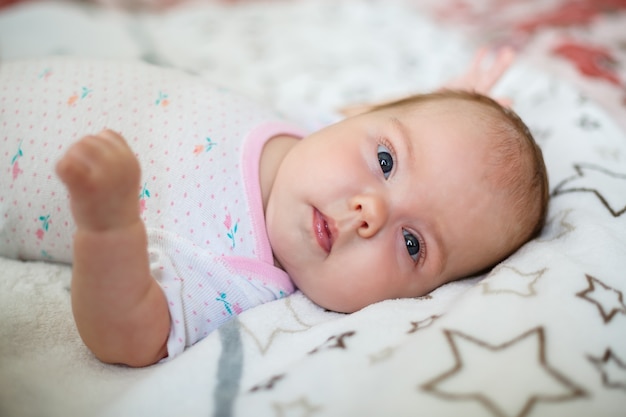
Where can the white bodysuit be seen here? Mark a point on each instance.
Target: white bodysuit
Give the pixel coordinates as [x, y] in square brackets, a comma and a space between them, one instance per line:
[199, 147]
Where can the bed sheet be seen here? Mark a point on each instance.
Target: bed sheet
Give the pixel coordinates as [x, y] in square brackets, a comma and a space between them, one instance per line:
[542, 334]
[581, 40]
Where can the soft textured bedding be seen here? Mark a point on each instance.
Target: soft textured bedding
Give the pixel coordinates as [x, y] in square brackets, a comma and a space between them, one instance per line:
[542, 334]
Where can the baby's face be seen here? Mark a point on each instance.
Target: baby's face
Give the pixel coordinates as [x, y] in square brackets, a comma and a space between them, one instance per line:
[388, 204]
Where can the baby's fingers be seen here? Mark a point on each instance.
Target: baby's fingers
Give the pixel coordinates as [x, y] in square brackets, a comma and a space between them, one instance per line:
[491, 74]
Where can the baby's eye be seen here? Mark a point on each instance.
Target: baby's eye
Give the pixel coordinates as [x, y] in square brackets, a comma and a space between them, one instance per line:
[385, 160]
[412, 244]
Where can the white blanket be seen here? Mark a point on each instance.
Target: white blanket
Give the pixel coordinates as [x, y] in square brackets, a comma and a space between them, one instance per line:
[543, 334]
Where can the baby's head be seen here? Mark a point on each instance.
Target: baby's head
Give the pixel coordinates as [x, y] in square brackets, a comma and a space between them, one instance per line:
[411, 195]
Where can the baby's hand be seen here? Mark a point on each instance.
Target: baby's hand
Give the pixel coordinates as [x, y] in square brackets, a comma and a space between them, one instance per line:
[482, 76]
[102, 175]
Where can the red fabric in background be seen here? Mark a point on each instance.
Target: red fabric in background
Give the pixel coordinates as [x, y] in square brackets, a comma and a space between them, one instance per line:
[579, 40]
[4, 3]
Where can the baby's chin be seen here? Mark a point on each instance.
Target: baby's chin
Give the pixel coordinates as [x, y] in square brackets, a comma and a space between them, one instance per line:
[337, 306]
[331, 300]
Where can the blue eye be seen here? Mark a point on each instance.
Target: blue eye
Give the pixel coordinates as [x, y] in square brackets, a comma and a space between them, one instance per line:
[412, 244]
[385, 160]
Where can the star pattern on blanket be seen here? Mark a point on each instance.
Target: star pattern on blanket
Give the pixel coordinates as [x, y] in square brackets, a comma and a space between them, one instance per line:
[381, 355]
[334, 342]
[269, 384]
[612, 369]
[587, 122]
[608, 300]
[559, 225]
[508, 379]
[416, 326]
[422, 324]
[264, 336]
[300, 407]
[608, 186]
[505, 279]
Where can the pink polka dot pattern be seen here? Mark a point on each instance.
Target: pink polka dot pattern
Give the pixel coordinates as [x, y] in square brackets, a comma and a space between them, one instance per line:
[199, 200]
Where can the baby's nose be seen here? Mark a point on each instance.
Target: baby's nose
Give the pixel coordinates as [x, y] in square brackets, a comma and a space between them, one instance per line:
[371, 211]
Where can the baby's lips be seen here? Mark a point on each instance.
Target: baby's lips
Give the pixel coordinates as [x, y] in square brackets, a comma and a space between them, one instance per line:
[322, 231]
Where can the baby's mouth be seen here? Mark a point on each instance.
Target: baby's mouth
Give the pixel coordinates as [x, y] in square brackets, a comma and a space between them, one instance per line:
[322, 231]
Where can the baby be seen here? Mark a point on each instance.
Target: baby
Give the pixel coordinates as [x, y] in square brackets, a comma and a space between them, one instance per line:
[204, 205]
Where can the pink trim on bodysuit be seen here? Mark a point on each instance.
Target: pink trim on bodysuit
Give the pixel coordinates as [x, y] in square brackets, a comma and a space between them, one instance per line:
[253, 146]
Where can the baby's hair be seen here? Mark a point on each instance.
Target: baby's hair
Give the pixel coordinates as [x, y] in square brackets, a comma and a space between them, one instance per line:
[522, 171]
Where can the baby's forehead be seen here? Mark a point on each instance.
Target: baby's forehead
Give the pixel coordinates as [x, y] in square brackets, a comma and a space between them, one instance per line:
[476, 121]
[487, 128]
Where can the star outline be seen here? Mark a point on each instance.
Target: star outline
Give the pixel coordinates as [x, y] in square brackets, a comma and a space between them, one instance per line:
[530, 285]
[579, 168]
[263, 349]
[430, 386]
[620, 297]
[604, 359]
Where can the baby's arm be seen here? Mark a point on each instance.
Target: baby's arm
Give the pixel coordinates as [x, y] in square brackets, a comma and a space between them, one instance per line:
[120, 311]
[481, 76]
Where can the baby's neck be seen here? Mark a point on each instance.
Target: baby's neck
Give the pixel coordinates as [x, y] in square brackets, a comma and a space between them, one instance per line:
[272, 156]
